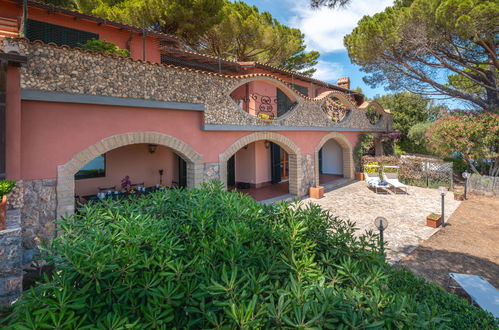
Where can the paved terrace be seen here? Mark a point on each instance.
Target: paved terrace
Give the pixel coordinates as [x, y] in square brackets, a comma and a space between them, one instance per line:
[406, 214]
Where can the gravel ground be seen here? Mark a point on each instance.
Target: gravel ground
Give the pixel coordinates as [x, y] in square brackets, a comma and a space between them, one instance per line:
[468, 244]
[406, 213]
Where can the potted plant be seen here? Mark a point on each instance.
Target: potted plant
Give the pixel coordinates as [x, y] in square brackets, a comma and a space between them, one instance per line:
[433, 220]
[316, 191]
[126, 184]
[6, 187]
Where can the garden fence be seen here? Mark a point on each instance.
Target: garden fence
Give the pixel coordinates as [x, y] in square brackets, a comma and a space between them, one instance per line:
[483, 184]
[418, 171]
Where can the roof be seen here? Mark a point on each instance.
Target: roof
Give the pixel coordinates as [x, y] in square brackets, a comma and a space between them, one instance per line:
[99, 20]
[240, 65]
[13, 57]
[184, 53]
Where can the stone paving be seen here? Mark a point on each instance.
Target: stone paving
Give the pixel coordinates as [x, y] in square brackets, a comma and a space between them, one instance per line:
[406, 213]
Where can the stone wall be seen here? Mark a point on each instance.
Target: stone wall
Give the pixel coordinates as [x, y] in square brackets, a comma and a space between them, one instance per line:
[61, 69]
[37, 215]
[211, 172]
[11, 254]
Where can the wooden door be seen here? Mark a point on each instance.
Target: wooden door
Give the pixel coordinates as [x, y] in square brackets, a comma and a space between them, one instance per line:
[231, 171]
[182, 172]
[284, 165]
[275, 163]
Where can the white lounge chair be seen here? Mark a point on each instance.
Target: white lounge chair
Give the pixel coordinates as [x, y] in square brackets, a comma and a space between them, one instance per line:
[480, 291]
[393, 179]
[373, 180]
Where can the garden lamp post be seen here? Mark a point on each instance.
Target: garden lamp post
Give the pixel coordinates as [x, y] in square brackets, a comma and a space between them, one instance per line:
[381, 223]
[466, 175]
[443, 191]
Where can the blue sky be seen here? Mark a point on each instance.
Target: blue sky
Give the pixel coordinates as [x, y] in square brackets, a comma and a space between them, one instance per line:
[324, 31]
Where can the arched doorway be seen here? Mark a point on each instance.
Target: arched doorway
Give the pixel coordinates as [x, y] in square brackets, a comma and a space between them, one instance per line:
[66, 173]
[261, 159]
[333, 158]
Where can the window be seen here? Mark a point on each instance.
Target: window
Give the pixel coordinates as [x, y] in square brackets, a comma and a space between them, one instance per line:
[57, 34]
[301, 89]
[94, 169]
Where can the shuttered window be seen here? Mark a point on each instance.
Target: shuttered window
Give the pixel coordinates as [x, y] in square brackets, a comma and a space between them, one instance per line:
[301, 89]
[57, 34]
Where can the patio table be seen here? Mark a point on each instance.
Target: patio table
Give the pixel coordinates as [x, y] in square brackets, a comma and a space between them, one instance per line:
[122, 195]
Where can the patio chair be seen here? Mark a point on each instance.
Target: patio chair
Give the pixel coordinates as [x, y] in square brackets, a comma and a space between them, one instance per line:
[393, 179]
[373, 180]
[481, 292]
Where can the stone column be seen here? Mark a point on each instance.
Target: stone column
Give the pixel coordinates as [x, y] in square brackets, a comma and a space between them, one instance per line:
[378, 146]
[211, 172]
[307, 176]
[38, 215]
[11, 254]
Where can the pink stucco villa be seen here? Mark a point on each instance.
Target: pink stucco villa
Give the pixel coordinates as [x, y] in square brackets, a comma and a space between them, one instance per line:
[74, 123]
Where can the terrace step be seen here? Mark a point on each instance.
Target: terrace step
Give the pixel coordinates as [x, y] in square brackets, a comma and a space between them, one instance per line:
[337, 184]
[327, 187]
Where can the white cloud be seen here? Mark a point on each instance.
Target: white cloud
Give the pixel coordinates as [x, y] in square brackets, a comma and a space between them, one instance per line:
[328, 71]
[325, 28]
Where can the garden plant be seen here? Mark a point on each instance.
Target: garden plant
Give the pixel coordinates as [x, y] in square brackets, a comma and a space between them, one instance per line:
[209, 258]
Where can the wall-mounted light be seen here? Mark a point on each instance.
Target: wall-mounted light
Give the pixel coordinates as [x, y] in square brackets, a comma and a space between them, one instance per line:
[152, 148]
[267, 144]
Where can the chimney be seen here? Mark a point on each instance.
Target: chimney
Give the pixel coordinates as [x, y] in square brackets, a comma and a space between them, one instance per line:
[344, 82]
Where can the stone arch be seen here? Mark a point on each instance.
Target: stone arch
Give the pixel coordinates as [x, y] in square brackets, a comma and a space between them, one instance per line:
[347, 149]
[340, 96]
[66, 172]
[289, 146]
[375, 104]
[292, 94]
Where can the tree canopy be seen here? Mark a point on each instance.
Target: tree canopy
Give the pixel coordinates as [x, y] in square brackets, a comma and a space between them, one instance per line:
[231, 30]
[407, 110]
[246, 34]
[329, 3]
[475, 135]
[417, 44]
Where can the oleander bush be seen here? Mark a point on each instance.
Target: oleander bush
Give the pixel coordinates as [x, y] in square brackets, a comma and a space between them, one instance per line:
[208, 258]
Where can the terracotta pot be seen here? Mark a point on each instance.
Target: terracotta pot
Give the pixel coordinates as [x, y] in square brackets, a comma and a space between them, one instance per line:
[432, 222]
[359, 176]
[316, 192]
[3, 212]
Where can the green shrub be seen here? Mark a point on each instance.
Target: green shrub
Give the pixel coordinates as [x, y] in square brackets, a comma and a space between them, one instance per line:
[105, 47]
[398, 150]
[6, 186]
[458, 164]
[372, 168]
[208, 258]
[364, 143]
[417, 138]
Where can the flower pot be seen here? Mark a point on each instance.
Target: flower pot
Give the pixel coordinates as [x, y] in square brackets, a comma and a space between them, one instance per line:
[3, 212]
[359, 176]
[316, 192]
[433, 221]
